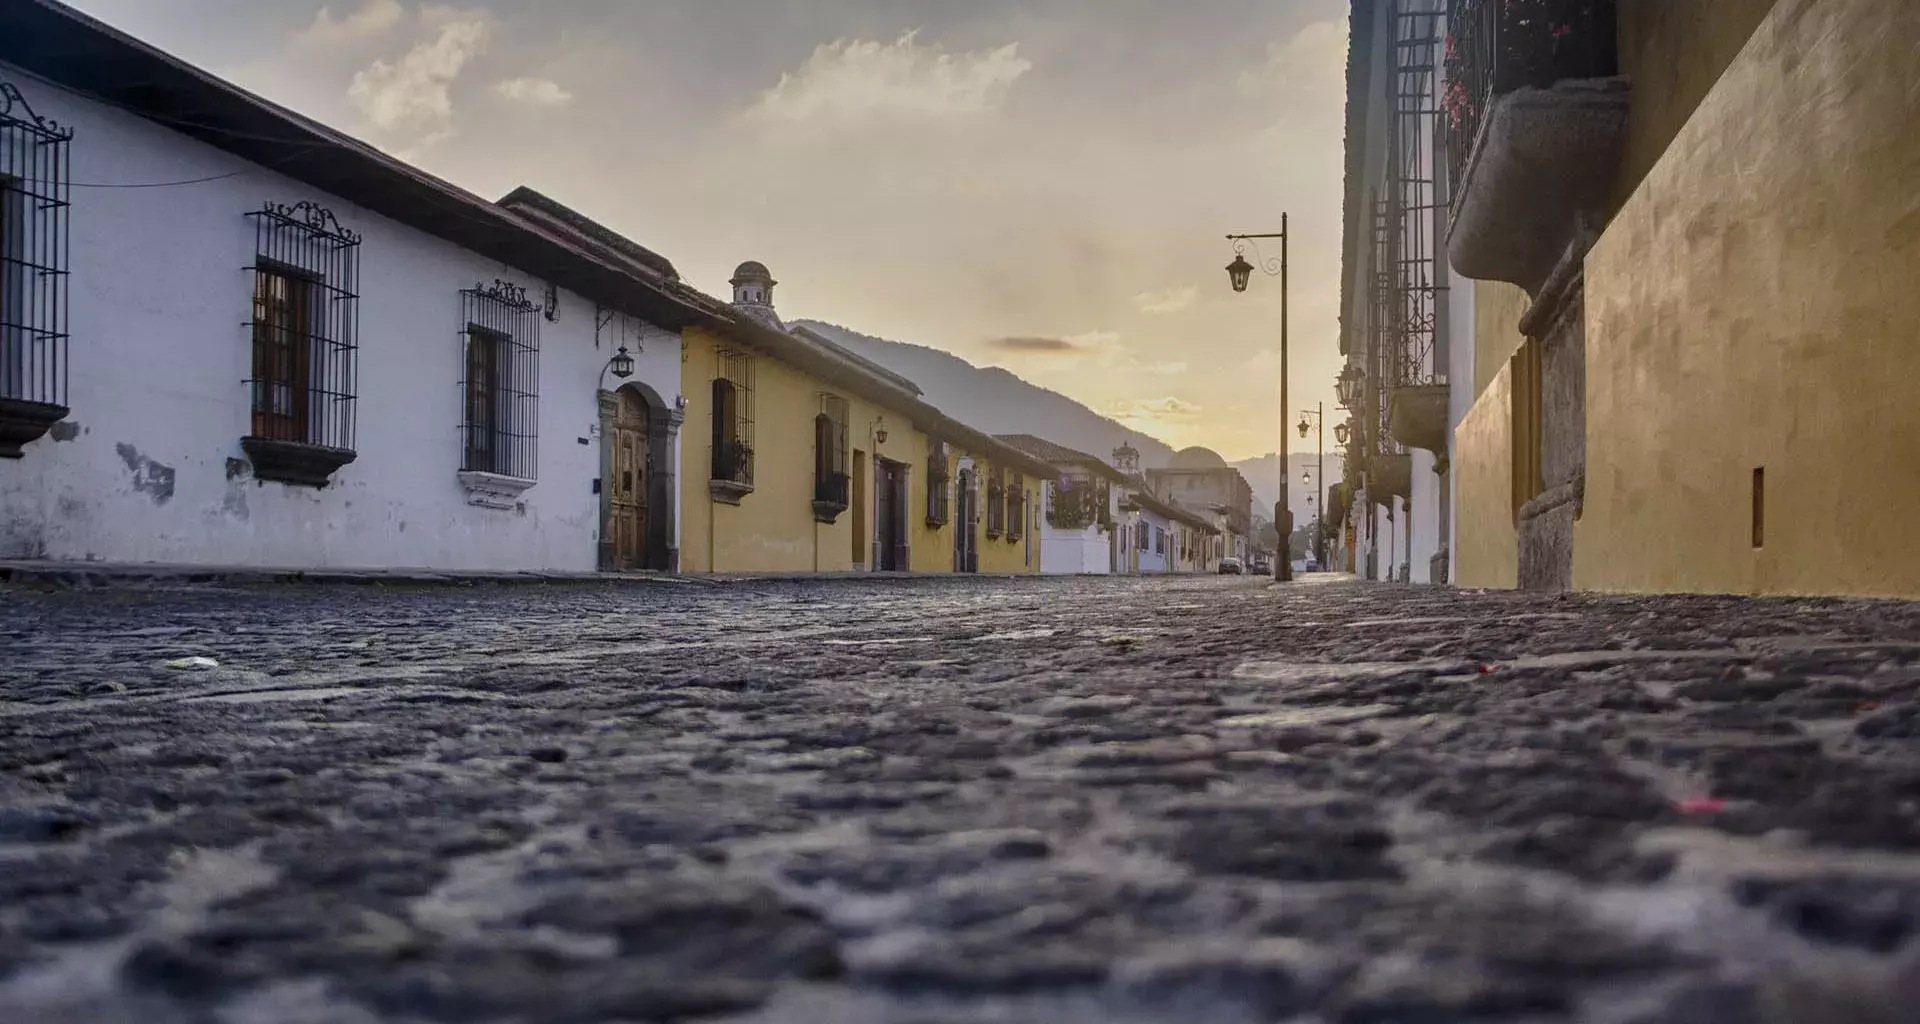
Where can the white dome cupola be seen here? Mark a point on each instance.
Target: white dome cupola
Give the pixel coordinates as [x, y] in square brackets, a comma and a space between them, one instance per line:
[752, 285]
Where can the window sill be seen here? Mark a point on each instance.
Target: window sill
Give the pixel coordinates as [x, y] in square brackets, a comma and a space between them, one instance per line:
[993, 534]
[493, 490]
[22, 423]
[936, 522]
[294, 462]
[728, 492]
[827, 511]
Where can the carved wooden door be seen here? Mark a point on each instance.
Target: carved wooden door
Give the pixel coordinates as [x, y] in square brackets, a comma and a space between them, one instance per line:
[629, 484]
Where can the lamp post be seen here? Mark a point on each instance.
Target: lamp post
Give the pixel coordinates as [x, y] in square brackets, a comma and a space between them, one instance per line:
[1238, 272]
[1318, 414]
[1340, 434]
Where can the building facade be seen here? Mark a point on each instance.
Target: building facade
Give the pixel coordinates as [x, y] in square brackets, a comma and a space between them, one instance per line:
[1681, 356]
[1200, 480]
[1395, 300]
[1101, 517]
[804, 457]
[255, 341]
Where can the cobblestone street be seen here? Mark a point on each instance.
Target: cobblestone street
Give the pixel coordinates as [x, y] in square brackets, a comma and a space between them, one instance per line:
[947, 800]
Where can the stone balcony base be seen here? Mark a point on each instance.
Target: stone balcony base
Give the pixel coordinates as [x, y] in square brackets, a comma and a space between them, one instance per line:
[1545, 159]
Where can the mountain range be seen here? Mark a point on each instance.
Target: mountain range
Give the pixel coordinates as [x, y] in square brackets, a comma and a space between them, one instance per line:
[989, 396]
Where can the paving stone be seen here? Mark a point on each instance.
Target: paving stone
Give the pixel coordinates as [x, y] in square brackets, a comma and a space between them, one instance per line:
[785, 801]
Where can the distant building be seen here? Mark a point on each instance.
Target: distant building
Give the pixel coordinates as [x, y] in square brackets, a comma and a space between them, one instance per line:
[1198, 478]
[1101, 519]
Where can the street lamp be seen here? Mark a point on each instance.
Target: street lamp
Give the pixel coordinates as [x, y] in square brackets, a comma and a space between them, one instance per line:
[1340, 432]
[1351, 385]
[1318, 415]
[621, 364]
[1238, 274]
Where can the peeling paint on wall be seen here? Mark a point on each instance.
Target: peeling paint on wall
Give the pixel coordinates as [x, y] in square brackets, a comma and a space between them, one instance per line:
[65, 430]
[149, 477]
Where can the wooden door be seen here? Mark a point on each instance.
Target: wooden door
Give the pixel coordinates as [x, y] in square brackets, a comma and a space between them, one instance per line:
[885, 493]
[857, 501]
[965, 522]
[628, 527]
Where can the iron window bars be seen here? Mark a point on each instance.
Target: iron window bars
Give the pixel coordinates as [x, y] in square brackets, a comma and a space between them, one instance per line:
[305, 328]
[34, 244]
[830, 428]
[500, 425]
[1016, 507]
[997, 503]
[938, 508]
[733, 418]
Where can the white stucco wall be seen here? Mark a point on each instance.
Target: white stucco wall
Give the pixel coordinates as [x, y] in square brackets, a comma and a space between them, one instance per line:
[1424, 506]
[159, 350]
[1074, 552]
[1152, 560]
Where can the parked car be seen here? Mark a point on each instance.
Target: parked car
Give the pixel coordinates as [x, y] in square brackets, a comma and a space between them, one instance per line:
[1232, 566]
[1260, 567]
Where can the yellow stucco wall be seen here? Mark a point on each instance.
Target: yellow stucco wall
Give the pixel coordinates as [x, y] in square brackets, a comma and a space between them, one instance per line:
[1497, 309]
[1752, 305]
[773, 529]
[1487, 550]
[1673, 51]
[999, 554]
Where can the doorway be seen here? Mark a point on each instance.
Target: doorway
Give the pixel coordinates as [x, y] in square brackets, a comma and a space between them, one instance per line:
[890, 516]
[627, 514]
[857, 500]
[966, 550]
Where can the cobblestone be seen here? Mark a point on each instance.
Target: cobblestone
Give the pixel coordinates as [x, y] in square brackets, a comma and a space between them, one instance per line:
[959, 801]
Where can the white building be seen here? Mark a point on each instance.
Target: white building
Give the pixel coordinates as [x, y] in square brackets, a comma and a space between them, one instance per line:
[235, 336]
[1101, 519]
[1397, 311]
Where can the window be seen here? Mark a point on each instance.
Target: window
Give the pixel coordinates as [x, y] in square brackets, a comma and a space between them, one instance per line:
[997, 503]
[938, 509]
[1016, 507]
[501, 392]
[830, 451]
[1144, 535]
[733, 419]
[34, 192]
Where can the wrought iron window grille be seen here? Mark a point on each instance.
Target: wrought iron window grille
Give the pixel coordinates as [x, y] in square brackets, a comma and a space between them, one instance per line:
[500, 385]
[305, 341]
[830, 432]
[35, 199]
[733, 418]
[938, 508]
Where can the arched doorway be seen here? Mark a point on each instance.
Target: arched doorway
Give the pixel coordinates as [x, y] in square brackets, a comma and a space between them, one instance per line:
[639, 439]
[628, 486]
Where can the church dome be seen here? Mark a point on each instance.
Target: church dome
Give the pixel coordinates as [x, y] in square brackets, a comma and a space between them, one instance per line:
[752, 270]
[1197, 458]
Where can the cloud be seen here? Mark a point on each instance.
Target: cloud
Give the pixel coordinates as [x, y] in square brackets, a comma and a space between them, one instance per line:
[1167, 300]
[1032, 344]
[538, 92]
[373, 18]
[1153, 410]
[1308, 64]
[409, 97]
[1072, 344]
[853, 79]
[1165, 369]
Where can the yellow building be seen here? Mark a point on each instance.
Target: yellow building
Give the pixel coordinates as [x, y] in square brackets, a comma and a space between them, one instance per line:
[1686, 360]
[799, 456]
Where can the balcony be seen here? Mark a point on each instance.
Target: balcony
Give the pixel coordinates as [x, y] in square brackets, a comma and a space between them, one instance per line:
[732, 477]
[1536, 118]
[829, 497]
[1417, 417]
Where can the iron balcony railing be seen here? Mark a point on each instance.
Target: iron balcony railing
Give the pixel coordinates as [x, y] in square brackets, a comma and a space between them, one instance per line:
[1496, 46]
[831, 489]
[733, 462]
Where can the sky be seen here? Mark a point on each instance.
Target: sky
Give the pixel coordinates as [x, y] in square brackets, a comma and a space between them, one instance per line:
[1042, 185]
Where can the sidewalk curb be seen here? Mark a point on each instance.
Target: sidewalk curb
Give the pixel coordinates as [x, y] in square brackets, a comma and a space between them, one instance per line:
[34, 575]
